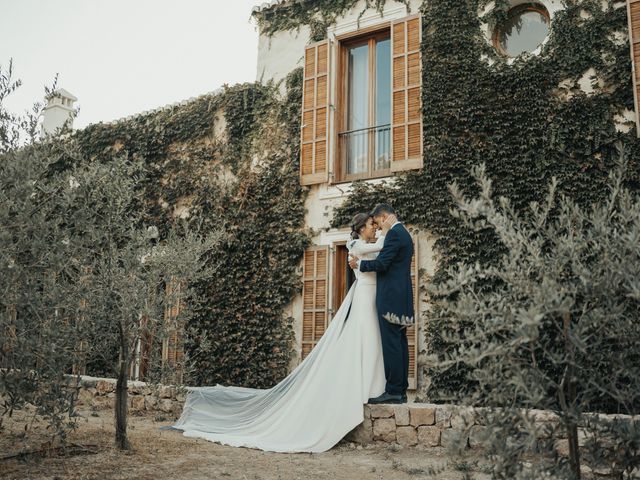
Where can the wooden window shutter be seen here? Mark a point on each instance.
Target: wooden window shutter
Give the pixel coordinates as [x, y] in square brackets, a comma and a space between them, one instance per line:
[315, 115]
[633, 16]
[406, 82]
[315, 278]
[412, 332]
[172, 345]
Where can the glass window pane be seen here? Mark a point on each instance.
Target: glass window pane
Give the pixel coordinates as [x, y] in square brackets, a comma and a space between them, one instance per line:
[383, 104]
[523, 31]
[383, 82]
[358, 109]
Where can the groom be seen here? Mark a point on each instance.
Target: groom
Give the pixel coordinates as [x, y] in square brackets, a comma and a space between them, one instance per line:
[394, 296]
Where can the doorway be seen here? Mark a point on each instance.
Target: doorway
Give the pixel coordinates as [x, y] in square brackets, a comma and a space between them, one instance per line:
[343, 276]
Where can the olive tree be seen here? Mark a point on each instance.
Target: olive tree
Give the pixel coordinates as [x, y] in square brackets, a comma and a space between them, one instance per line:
[553, 324]
[79, 268]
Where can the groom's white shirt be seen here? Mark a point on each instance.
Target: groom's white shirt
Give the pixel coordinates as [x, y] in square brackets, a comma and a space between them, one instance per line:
[396, 223]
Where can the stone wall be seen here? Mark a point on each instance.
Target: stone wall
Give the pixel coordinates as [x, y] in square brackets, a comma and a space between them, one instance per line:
[99, 393]
[408, 425]
[432, 425]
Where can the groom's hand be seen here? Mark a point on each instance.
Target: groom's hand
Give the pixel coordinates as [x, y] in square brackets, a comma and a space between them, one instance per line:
[353, 262]
[389, 221]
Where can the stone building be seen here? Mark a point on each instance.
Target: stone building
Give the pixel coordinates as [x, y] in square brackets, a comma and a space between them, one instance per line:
[362, 120]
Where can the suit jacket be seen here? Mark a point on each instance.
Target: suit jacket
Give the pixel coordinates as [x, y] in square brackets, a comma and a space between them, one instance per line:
[394, 292]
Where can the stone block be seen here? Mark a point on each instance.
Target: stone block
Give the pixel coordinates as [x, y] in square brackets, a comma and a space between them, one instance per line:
[422, 415]
[384, 429]
[562, 447]
[166, 405]
[150, 402]
[443, 417]
[88, 382]
[101, 402]
[181, 396]
[406, 436]
[462, 418]
[137, 402]
[367, 411]
[401, 414]
[583, 437]
[452, 437]
[544, 416]
[362, 434]
[429, 436]
[381, 411]
[86, 395]
[104, 386]
[166, 391]
[477, 436]
[136, 388]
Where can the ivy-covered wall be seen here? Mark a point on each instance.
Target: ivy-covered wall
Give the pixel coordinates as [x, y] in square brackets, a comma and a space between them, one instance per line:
[317, 14]
[527, 121]
[227, 161]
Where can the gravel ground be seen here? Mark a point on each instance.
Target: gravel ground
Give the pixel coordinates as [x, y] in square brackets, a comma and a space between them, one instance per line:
[167, 454]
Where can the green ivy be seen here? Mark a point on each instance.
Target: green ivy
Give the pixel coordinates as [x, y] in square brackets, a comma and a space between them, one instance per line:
[517, 120]
[245, 183]
[528, 121]
[318, 14]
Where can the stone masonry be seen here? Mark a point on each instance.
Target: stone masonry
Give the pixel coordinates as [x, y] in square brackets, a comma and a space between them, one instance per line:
[410, 424]
[420, 425]
[99, 393]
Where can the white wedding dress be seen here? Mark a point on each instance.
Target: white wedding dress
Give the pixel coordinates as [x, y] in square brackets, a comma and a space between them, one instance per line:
[320, 401]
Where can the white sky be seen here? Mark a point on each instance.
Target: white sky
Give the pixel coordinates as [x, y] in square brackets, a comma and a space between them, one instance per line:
[121, 57]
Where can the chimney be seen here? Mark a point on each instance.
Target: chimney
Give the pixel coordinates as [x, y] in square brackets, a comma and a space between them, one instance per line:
[58, 111]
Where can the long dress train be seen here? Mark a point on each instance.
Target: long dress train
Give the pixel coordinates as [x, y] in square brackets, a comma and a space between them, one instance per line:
[320, 401]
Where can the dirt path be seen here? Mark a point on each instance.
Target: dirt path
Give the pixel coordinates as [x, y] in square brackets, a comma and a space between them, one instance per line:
[166, 454]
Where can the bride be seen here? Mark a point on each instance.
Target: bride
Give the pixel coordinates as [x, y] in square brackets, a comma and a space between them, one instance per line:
[321, 400]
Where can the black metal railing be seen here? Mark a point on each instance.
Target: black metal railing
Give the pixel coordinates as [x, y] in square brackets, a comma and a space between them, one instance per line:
[366, 149]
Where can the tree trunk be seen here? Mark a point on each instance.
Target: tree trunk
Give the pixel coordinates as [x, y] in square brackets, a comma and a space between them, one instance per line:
[122, 442]
[572, 426]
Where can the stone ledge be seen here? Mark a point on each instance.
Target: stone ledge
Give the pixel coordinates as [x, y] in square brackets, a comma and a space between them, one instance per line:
[99, 393]
[437, 425]
[407, 424]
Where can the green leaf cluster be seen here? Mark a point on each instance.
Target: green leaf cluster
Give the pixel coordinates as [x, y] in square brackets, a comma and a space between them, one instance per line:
[317, 14]
[226, 161]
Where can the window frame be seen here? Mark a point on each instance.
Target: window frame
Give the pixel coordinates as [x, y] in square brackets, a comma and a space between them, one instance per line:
[516, 10]
[369, 35]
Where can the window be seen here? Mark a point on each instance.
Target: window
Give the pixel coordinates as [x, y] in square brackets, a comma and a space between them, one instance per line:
[633, 17]
[374, 111]
[524, 29]
[364, 126]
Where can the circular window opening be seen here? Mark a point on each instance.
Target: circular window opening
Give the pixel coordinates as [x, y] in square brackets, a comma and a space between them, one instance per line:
[524, 29]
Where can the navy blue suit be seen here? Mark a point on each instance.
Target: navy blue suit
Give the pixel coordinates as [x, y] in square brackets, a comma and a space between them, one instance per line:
[394, 294]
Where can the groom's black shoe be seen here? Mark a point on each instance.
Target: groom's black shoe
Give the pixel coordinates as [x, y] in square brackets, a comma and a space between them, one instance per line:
[404, 398]
[386, 398]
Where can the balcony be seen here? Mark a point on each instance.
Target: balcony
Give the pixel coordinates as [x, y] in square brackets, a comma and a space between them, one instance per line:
[365, 152]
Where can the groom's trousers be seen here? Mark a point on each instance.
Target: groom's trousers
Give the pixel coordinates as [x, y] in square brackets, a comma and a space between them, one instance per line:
[395, 352]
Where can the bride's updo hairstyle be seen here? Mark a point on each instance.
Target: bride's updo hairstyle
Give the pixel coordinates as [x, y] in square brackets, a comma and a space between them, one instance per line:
[357, 222]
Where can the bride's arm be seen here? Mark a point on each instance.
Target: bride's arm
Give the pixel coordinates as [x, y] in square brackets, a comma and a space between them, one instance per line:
[360, 247]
